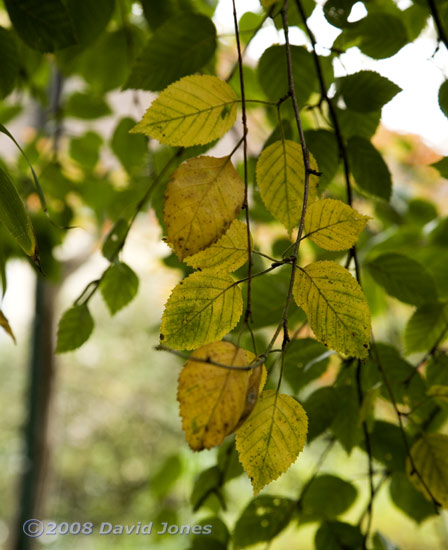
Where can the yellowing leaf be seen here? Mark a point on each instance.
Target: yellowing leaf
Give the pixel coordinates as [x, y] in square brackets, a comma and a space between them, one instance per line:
[272, 438]
[336, 307]
[202, 199]
[194, 110]
[227, 254]
[257, 380]
[201, 309]
[430, 456]
[4, 323]
[212, 399]
[281, 179]
[333, 225]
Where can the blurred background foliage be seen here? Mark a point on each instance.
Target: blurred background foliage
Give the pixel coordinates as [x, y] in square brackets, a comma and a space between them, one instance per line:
[72, 87]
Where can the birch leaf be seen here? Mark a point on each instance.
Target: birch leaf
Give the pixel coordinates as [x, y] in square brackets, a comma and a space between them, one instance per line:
[430, 456]
[227, 254]
[333, 225]
[272, 438]
[202, 199]
[281, 179]
[201, 309]
[336, 307]
[4, 323]
[195, 110]
[212, 399]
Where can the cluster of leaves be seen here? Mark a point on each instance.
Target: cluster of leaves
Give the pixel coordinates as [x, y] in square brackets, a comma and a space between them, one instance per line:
[305, 177]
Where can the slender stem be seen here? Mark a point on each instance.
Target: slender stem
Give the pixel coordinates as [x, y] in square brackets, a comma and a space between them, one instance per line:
[248, 313]
[443, 37]
[414, 469]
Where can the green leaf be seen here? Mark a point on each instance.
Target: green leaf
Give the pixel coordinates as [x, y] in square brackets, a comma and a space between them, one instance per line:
[262, 520]
[107, 65]
[181, 46]
[39, 191]
[166, 475]
[273, 76]
[380, 542]
[119, 286]
[421, 211]
[442, 166]
[195, 110]
[336, 307]
[306, 359]
[358, 124]
[338, 11]
[316, 501]
[10, 62]
[114, 239]
[322, 407]
[86, 106]
[406, 497]
[346, 425]
[443, 98]
[426, 326]
[430, 456]
[272, 438]
[403, 278]
[281, 180]
[205, 484]
[75, 328]
[437, 369]
[15, 218]
[44, 26]
[324, 147]
[86, 149]
[333, 225]
[335, 535]
[89, 19]
[387, 445]
[367, 91]
[227, 254]
[201, 309]
[368, 167]
[267, 300]
[131, 150]
[217, 534]
[379, 35]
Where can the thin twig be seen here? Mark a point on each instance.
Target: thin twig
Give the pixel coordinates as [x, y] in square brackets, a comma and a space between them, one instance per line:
[248, 312]
[388, 387]
[443, 37]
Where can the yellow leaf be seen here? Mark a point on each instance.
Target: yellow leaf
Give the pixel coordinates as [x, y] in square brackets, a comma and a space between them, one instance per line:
[430, 456]
[271, 439]
[336, 307]
[227, 254]
[201, 309]
[281, 179]
[212, 399]
[257, 380]
[202, 199]
[194, 110]
[333, 225]
[4, 323]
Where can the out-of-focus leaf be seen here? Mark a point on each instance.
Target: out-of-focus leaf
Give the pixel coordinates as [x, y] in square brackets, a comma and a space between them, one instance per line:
[44, 26]
[75, 328]
[179, 47]
[119, 286]
[262, 520]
